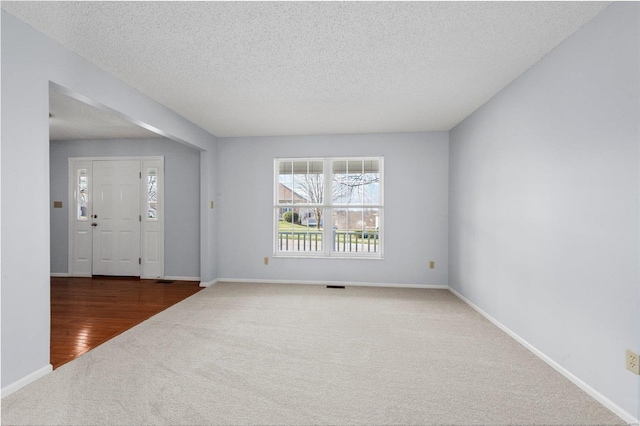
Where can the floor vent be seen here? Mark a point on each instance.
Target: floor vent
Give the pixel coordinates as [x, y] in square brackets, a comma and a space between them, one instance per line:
[165, 281]
[335, 286]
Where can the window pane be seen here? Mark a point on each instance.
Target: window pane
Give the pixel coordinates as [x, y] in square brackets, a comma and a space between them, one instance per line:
[354, 177]
[82, 200]
[371, 182]
[354, 167]
[299, 174]
[294, 236]
[152, 194]
[285, 183]
[340, 193]
[315, 167]
[356, 230]
[308, 182]
[356, 182]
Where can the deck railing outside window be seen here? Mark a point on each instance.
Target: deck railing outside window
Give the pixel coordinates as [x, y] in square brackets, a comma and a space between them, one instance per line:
[343, 241]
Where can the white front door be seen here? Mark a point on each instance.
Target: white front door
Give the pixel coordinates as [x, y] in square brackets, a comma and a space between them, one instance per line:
[116, 218]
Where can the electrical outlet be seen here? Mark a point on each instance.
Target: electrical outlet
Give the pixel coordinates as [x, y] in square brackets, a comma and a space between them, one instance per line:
[432, 264]
[633, 363]
[266, 260]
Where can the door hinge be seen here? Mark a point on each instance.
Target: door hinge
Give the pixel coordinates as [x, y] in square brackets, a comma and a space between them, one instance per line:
[140, 175]
[139, 261]
[139, 218]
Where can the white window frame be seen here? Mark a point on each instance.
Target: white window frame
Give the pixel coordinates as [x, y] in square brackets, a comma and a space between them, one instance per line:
[328, 206]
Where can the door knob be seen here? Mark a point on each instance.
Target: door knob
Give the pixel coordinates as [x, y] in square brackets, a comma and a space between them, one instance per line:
[94, 224]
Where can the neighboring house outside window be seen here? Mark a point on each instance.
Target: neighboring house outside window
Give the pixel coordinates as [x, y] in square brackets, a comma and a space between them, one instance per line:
[336, 204]
[286, 194]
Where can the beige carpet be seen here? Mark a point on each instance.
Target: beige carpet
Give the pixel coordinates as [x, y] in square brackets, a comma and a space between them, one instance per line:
[287, 354]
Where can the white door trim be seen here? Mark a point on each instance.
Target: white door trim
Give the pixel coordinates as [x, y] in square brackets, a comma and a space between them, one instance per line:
[151, 229]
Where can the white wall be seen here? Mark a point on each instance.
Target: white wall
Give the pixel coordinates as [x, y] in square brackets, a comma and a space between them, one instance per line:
[544, 205]
[415, 215]
[182, 197]
[29, 62]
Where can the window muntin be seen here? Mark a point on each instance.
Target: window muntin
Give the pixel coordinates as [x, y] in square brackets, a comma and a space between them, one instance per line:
[328, 207]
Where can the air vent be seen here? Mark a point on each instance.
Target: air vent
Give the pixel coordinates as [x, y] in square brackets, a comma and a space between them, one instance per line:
[165, 281]
[335, 286]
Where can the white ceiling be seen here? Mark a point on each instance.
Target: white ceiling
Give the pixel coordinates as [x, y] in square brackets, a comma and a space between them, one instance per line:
[281, 68]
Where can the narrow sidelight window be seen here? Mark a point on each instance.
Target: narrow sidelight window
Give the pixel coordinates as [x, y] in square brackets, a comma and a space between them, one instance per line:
[82, 195]
[152, 194]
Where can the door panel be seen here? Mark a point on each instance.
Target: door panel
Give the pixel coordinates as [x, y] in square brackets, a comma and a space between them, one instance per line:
[152, 242]
[105, 242]
[116, 215]
[81, 262]
[125, 240]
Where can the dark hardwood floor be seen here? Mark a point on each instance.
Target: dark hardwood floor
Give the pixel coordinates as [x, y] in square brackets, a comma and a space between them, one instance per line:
[86, 312]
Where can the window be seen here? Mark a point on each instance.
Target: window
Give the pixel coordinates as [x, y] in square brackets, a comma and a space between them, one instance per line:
[328, 207]
[152, 194]
[82, 195]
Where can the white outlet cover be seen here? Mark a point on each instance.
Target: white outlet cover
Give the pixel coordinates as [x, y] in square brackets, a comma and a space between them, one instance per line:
[633, 362]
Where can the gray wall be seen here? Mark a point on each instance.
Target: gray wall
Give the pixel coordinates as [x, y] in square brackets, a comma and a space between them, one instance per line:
[544, 204]
[182, 197]
[30, 61]
[415, 215]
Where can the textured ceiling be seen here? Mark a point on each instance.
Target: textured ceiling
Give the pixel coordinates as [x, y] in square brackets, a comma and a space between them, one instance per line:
[72, 120]
[279, 68]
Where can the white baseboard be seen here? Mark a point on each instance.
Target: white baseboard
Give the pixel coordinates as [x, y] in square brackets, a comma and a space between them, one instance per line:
[30, 378]
[344, 283]
[209, 284]
[616, 409]
[66, 275]
[182, 278]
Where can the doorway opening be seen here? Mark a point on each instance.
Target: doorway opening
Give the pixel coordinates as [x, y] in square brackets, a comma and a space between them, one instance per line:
[91, 305]
[116, 217]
